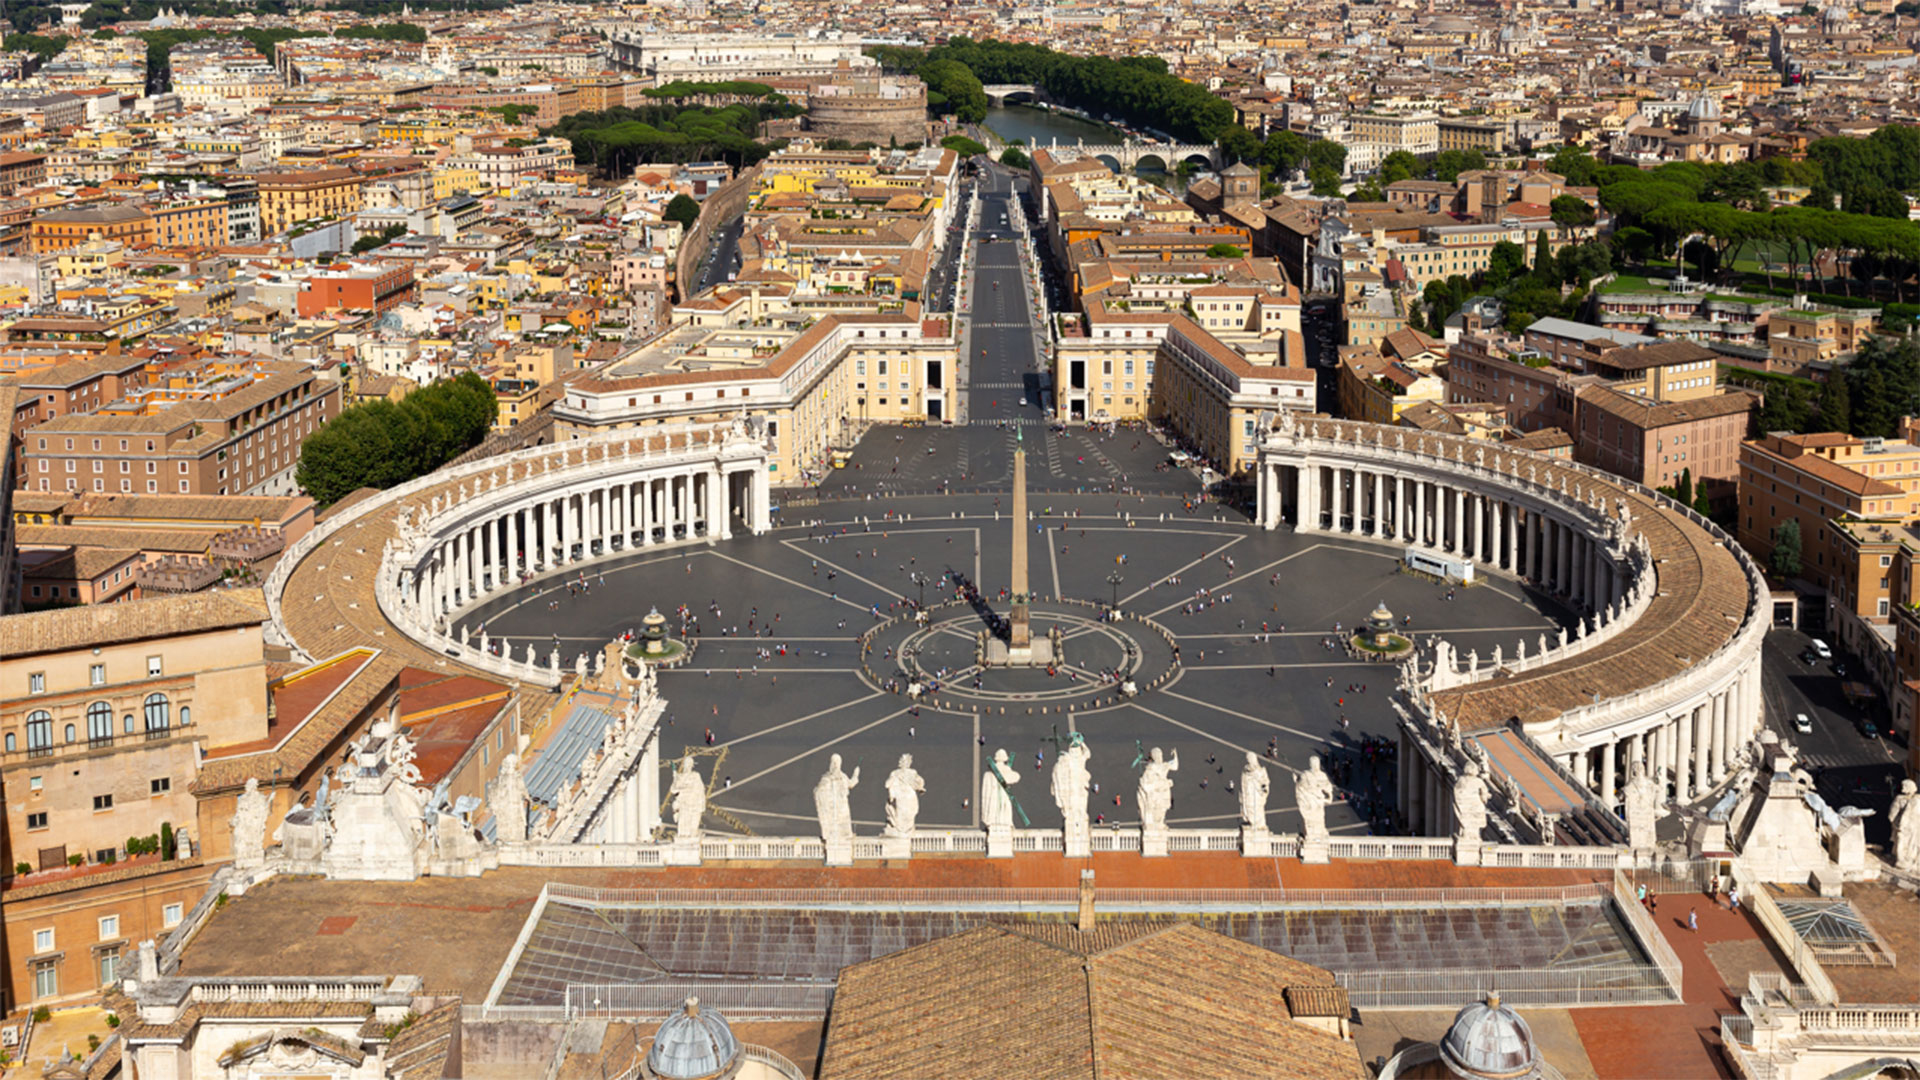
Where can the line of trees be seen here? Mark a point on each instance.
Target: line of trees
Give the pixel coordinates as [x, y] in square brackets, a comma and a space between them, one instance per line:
[1138, 90]
[620, 138]
[380, 443]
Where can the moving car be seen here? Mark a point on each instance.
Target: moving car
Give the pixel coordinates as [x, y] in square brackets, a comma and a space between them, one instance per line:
[1820, 649]
[1870, 729]
[1802, 724]
[1023, 403]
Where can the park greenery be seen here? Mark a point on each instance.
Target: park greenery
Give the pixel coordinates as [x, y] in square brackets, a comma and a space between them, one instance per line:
[1137, 90]
[680, 89]
[1013, 157]
[620, 138]
[963, 146]
[40, 45]
[382, 443]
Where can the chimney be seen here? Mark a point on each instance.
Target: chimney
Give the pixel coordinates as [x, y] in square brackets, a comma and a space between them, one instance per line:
[1086, 900]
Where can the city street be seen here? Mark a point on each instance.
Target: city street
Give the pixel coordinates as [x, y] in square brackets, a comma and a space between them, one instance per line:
[1851, 768]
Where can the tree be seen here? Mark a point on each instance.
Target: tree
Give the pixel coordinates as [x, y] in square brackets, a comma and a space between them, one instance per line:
[1400, 165]
[1325, 181]
[1449, 164]
[1015, 158]
[963, 146]
[1224, 251]
[1785, 559]
[1503, 262]
[380, 444]
[1544, 266]
[374, 240]
[1683, 491]
[1836, 405]
[1634, 242]
[683, 210]
[1571, 212]
[1239, 144]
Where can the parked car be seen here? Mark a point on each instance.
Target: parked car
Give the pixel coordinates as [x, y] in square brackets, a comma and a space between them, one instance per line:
[1870, 729]
[1820, 649]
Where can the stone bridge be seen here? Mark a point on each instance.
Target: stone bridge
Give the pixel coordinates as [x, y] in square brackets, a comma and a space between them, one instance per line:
[1129, 154]
[999, 94]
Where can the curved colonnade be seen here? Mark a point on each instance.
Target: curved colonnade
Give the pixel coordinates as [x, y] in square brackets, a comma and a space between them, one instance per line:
[438, 545]
[1663, 670]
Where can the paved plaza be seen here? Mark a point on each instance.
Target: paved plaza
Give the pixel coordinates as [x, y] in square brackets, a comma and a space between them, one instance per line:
[779, 683]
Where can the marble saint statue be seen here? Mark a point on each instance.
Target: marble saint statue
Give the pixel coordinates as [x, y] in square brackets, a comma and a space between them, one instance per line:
[830, 801]
[904, 786]
[1906, 828]
[689, 794]
[510, 802]
[1469, 805]
[1254, 785]
[1312, 793]
[250, 827]
[1071, 782]
[996, 802]
[1155, 793]
[1643, 807]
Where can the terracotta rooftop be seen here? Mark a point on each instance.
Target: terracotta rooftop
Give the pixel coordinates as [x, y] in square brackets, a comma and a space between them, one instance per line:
[138, 620]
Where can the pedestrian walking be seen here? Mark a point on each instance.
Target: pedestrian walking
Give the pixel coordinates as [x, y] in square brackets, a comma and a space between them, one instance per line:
[1693, 920]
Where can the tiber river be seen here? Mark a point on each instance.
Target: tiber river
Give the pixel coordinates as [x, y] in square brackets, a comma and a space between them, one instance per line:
[1042, 126]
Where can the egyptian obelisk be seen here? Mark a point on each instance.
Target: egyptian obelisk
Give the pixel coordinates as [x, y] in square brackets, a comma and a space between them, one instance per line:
[1019, 631]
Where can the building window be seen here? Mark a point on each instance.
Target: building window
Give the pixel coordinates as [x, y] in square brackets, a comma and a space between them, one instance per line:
[37, 683]
[170, 916]
[109, 967]
[103, 802]
[99, 722]
[97, 675]
[39, 731]
[158, 714]
[43, 940]
[46, 981]
[109, 927]
[153, 667]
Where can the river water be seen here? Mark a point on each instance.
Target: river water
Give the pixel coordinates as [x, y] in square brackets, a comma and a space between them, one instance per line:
[1042, 126]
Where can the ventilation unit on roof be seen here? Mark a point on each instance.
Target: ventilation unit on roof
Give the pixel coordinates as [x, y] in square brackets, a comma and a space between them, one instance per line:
[1874, 444]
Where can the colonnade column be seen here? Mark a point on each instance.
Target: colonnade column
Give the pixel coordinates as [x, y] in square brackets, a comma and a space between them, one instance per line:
[1608, 778]
[1379, 504]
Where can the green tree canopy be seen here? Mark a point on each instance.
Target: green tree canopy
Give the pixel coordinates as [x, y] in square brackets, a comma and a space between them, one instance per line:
[683, 209]
[379, 444]
[1224, 251]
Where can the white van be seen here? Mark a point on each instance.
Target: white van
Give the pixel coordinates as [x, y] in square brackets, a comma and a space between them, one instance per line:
[1820, 649]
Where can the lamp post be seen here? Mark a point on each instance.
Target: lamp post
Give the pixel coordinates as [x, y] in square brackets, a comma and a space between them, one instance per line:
[1115, 579]
[920, 579]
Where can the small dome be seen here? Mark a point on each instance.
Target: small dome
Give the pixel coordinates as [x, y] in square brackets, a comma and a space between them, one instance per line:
[693, 1044]
[1704, 107]
[1489, 1040]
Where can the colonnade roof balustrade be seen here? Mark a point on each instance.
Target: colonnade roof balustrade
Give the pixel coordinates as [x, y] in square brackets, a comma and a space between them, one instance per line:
[1705, 592]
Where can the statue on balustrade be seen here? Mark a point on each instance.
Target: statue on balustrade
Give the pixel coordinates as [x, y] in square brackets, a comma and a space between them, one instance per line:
[1071, 782]
[1254, 785]
[1643, 807]
[1906, 828]
[1155, 793]
[689, 794]
[1312, 793]
[1469, 805]
[249, 823]
[904, 786]
[831, 796]
[996, 802]
[510, 802]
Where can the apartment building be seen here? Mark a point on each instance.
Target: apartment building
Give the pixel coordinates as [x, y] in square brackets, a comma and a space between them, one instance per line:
[288, 198]
[1857, 502]
[1416, 133]
[217, 429]
[1655, 442]
[69, 227]
[104, 713]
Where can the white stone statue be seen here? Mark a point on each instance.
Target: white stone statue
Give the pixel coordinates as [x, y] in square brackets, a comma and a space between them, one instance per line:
[1155, 793]
[1469, 805]
[400, 755]
[904, 786]
[1643, 807]
[996, 802]
[1254, 785]
[689, 794]
[1071, 782]
[1906, 828]
[249, 823]
[830, 802]
[510, 802]
[1312, 793]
